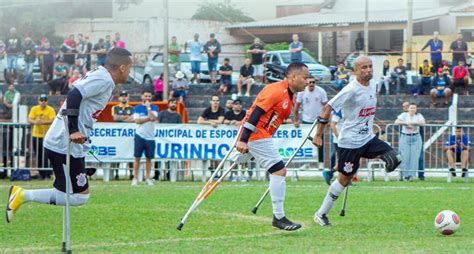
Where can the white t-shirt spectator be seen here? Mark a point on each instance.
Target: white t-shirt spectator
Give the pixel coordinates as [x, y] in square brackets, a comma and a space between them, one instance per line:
[312, 103]
[196, 48]
[405, 116]
[339, 120]
[145, 130]
[358, 103]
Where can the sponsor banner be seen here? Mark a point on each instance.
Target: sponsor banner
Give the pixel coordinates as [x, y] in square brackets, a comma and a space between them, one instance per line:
[112, 142]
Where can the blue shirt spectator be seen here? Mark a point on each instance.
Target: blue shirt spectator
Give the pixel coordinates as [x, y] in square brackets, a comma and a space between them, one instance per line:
[295, 49]
[459, 141]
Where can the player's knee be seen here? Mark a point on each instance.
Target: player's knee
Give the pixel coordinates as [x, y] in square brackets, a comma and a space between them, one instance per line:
[278, 169]
[78, 199]
[392, 160]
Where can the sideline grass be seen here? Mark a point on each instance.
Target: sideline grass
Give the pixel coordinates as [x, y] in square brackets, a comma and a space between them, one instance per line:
[393, 217]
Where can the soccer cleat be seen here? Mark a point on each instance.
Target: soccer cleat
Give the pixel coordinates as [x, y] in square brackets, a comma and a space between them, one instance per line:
[285, 224]
[464, 172]
[322, 220]
[453, 172]
[327, 175]
[134, 182]
[149, 182]
[15, 199]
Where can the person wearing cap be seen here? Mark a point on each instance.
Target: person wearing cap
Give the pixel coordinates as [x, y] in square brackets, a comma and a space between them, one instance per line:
[440, 88]
[235, 116]
[123, 112]
[41, 116]
[212, 48]
[179, 87]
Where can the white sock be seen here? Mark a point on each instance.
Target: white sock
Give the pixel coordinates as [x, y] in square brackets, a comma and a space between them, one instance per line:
[54, 197]
[277, 193]
[333, 193]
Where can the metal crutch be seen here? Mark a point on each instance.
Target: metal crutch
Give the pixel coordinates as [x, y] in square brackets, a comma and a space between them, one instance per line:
[66, 245]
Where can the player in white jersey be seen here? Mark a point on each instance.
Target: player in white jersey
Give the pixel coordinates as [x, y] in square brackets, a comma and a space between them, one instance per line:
[84, 103]
[356, 140]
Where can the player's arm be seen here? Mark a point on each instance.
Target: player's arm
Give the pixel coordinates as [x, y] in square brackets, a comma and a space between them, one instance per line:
[323, 120]
[296, 112]
[334, 129]
[426, 45]
[248, 128]
[73, 102]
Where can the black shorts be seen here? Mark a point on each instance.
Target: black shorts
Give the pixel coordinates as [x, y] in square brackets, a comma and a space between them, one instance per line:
[77, 172]
[348, 159]
[143, 146]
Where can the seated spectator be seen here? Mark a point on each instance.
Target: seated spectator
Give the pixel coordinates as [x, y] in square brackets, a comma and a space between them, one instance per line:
[229, 105]
[426, 72]
[123, 112]
[235, 116]
[460, 77]
[246, 77]
[10, 98]
[385, 80]
[457, 150]
[170, 115]
[399, 75]
[101, 52]
[342, 76]
[75, 76]
[77, 66]
[57, 85]
[179, 87]
[446, 69]
[226, 77]
[213, 115]
[69, 50]
[159, 88]
[440, 89]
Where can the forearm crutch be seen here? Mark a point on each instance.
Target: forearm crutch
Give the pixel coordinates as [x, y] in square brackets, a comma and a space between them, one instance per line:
[66, 244]
[343, 209]
[208, 188]
[308, 137]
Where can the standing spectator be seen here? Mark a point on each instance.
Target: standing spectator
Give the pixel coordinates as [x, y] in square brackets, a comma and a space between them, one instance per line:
[48, 56]
[459, 48]
[13, 49]
[226, 77]
[436, 46]
[213, 115]
[295, 48]
[41, 116]
[144, 115]
[460, 77]
[359, 42]
[410, 141]
[257, 49]
[108, 44]
[69, 48]
[123, 112]
[56, 85]
[457, 150]
[179, 87]
[119, 43]
[399, 75]
[385, 80]
[81, 50]
[425, 80]
[159, 88]
[246, 77]
[342, 76]
[440, 89]
[212, 48]
[88, 52]
[174, 51]
[101, 52]
[311, 101]
[29, 52]
[196, 48]
[235, 116]
[10, 97]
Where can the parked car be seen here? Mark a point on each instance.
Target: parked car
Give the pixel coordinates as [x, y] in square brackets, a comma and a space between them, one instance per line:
[277, 61]
[154, 67]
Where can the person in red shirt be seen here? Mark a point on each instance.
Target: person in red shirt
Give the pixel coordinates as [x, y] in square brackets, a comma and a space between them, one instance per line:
[460, 76]
[271, 107]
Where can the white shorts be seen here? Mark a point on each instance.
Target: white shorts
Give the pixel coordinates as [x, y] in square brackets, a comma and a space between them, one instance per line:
[258, 70]
[264, 152]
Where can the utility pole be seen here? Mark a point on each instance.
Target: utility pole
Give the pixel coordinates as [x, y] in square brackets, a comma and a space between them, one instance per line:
[409, 32]
[165, 51]
[366, 29]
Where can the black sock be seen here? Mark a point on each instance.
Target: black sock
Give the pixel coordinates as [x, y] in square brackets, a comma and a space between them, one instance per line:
[464, 170]
[452, 170]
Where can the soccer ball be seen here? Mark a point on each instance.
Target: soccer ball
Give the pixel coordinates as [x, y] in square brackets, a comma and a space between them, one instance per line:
[447, 222]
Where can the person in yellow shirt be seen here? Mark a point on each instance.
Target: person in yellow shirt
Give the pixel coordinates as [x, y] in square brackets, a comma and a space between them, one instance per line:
[41, 116]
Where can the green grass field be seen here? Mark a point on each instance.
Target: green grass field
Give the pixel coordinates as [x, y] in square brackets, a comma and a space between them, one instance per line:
[395, 217]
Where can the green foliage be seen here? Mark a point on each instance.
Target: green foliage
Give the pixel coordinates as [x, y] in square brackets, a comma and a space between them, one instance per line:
[224, 11]
[125, 4]
[276, 46]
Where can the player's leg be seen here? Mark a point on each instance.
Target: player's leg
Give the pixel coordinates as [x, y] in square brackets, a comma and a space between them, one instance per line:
[447, 95]
[57, 195]
[348, 163]
[377, 148]
[150, 154]
[268, 157]
[139, 147]
[464, 161]
[451, 161]
[249, 82]
[239, 86]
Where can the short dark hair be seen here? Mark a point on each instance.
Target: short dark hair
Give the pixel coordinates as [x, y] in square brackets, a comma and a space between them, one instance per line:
[226, 59]
[425, 61]
[400, 59]
[296, 66]
[413, 103]
[117, 57]
[171, 100]
[146, 91]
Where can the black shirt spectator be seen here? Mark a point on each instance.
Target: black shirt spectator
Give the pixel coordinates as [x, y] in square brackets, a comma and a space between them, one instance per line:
[29, 51]
[230, 115]
[210, 115]
[13, 43]
[226, 78]
[169, 117]
[459, 48]
[212, 48]
[246, 71]
[400, 70]
[257, 58]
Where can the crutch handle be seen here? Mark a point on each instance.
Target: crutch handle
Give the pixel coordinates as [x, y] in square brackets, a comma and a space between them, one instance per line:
[310, 138]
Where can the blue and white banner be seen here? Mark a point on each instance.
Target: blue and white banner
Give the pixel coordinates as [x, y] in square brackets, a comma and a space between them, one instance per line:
[112, 142]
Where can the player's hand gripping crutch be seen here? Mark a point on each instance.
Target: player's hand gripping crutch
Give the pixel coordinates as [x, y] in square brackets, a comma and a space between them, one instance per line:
[208, 188]
[66, 244]
[308, 137]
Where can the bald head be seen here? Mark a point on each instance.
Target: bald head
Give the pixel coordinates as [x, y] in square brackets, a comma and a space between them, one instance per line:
[363, 69]
[361, 60]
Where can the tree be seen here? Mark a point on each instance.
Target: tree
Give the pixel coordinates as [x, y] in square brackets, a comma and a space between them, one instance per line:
[224, 11]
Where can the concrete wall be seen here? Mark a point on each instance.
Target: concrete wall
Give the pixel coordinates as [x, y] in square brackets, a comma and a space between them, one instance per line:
[464, 23]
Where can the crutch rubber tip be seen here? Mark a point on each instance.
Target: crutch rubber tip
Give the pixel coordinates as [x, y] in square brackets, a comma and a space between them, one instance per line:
[180, 226]
[254, 210]
[63, 249]
[343, 213]
[69, 252]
